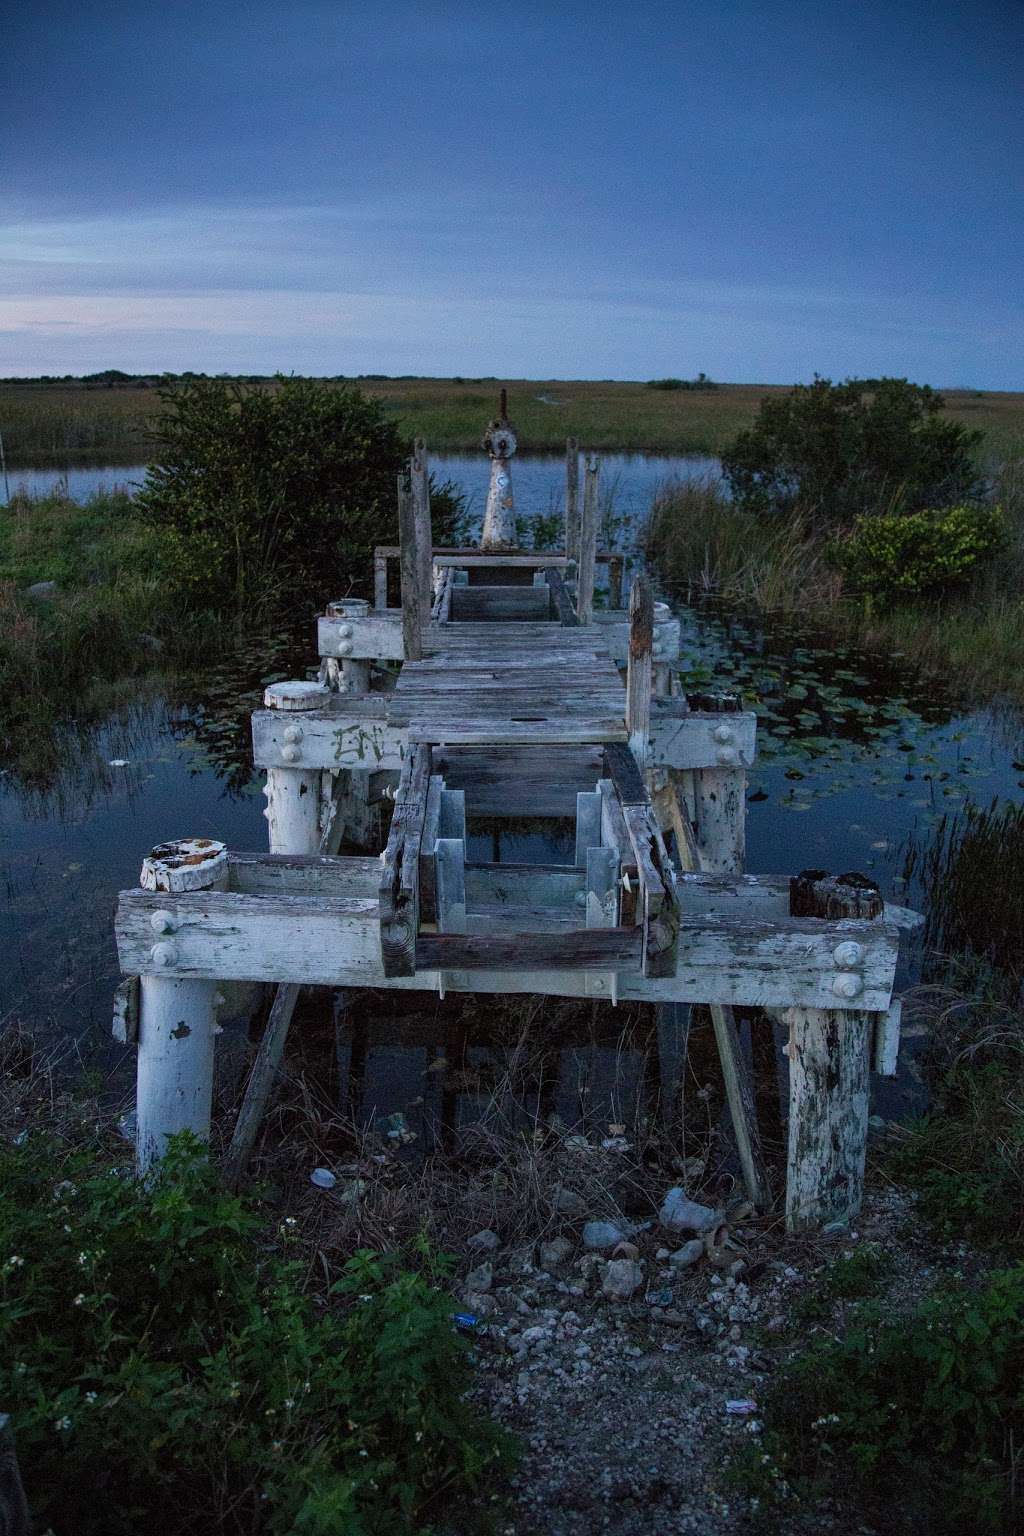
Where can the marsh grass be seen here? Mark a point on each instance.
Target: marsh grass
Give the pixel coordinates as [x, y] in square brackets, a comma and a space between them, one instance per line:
[64, 423]
[113, 615]
[705, 546]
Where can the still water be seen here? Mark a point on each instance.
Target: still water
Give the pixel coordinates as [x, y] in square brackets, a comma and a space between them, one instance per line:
[858, 764]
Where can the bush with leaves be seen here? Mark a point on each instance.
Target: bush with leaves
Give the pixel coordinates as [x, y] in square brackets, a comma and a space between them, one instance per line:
[266, 494]
[920, 1417]
[163, 1366]
[837, 451]
[918, 554]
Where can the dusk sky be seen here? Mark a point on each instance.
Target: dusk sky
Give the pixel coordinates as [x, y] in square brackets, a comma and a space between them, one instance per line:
[760, 190]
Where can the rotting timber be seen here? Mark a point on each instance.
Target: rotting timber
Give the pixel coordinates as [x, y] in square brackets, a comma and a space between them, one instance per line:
[510, 701]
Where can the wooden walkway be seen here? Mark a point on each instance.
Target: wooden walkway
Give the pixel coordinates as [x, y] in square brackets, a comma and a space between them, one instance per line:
[511, 702]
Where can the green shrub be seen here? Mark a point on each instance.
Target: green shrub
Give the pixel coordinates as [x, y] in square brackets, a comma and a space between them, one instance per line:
[919, 1417]
[700, 382]
[271, 494]
[838, 451]
[163, 1366]
[917, 554]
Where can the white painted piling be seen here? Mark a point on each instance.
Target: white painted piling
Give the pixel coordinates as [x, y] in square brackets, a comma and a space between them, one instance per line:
[292, 791]
[499, 530]
[174, 1082]
[588, 542]
[353, 675]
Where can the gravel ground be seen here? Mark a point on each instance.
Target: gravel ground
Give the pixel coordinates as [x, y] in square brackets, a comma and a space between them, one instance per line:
[620, 1404]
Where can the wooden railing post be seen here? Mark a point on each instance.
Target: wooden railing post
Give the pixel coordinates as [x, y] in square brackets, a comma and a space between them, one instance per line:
[415, 609]
[638, 671]
[588, 543]
[720, 793]
[572, 498]
[419, 483]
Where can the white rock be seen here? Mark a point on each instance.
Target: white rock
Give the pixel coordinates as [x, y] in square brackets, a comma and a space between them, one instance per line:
[481, 1278]
[554, 1255]
[485, 1241]
[689, 1253]
[599, 1235]
[567, 1202]
[681, 1214]
[621, 1279]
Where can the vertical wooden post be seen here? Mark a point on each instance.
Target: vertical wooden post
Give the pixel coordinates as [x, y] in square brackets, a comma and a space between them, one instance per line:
[588, 543]
[720, 793]
[414, 607]
[293, 792]
[638, 670]
[174, 1083]
[829, 1058]
[380, 581]
[616, 564]
[419, 482]
[15, 1519]
[572, 498]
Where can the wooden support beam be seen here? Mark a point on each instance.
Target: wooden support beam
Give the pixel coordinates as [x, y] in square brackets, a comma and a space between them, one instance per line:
[561, 602]
[616, 568]
[659, 905]
[415, 601]
[572, 498]
[588, 543]
[829, 1056]
[580, 950]
[419, 485]
[399, 881]
[638, 674]
[380, 581]
[588, 825]
[736, 1074]
[720, 791]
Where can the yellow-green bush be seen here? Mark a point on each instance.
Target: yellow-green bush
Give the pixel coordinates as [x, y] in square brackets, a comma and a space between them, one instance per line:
[914, 553]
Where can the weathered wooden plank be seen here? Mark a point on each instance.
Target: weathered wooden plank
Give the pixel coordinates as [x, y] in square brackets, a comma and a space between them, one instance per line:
[375, 637]
[684, 739]
[419, 486]
[572, 498]
[565, 731]
[520, 781]
[428, 864]
[562, 602]
[496, 605]
[332, 941]
[399, 881]
[580, 950]
[887, 1039]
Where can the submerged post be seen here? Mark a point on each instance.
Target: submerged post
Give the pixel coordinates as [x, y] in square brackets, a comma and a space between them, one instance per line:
[499, 517]
[572, 498]
[588, 543]
[174, 1084]
[829, 1060]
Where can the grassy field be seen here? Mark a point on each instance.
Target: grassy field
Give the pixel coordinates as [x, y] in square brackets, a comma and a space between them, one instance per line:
[71, 423]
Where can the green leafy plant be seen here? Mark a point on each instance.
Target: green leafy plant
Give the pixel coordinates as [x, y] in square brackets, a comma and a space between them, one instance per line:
[262, 491]
[917, 1416]
[838, 451]
[162, 1364]
[917, 554]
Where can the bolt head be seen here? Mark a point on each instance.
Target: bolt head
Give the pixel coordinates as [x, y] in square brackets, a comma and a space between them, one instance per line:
[164, 955]
[345, 631]
[599, 984]
[162, 921]
[848, 955]
[723, 733]
[344, 647]
[293, 733]
[727, 757]
[291, 754]
[847, 985]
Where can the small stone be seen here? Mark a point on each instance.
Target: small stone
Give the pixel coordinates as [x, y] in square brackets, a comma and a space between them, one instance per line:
[554, 1255]
[661, 1255]
[485, 1241]
[481, 1278]
[567, 1202]
[625, 1251]
[42, 589]
[600, 1235]
[479, 1304]
[622, 1278]
[737, 1267]
[681, 1214]
[689, 1253]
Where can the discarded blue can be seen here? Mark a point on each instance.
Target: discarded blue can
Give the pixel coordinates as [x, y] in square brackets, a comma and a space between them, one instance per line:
[466, 1321]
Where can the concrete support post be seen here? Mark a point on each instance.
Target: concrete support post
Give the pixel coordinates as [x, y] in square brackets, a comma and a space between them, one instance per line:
[174, 1083]
[293, 792]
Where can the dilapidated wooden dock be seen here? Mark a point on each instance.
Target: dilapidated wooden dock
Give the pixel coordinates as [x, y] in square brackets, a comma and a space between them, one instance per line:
[515, 697]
